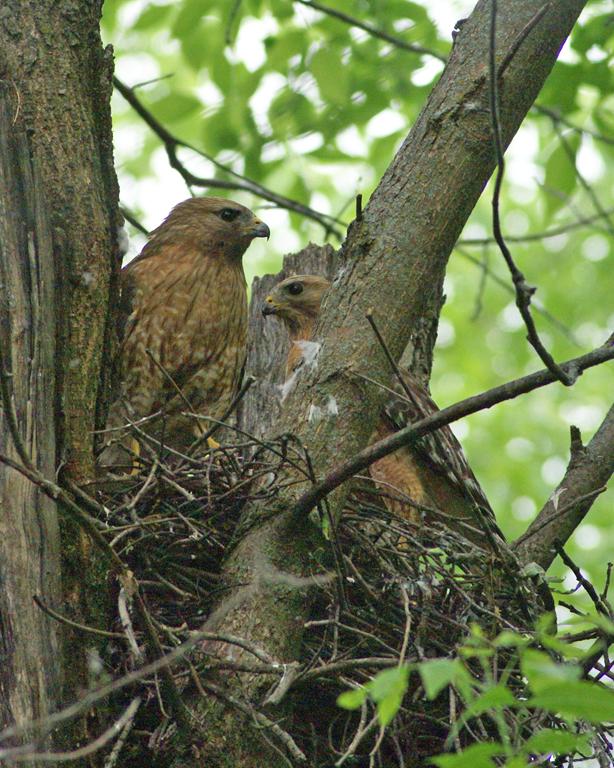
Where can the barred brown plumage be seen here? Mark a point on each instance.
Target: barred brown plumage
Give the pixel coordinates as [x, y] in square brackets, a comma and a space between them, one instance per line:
[183, 320]
[431, 476]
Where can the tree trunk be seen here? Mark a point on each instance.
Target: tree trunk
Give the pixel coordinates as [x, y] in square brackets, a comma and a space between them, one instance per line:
[30, 676]
[392, 261]
[59, 262]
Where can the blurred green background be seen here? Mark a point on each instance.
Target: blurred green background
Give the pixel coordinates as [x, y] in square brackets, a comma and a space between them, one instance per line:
[313, 108]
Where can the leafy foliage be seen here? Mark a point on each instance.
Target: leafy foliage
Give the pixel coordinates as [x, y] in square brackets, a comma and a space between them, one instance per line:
[548, 712]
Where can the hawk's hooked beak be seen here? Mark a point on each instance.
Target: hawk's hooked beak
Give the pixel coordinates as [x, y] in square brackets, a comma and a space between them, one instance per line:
[269, 307]
[260, 229]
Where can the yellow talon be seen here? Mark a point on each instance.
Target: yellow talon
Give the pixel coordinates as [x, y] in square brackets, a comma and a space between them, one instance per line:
[135, 447]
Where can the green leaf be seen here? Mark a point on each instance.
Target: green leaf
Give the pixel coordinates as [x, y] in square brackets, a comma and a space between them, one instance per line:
[352, 699]
[218, 132]
[325, 526]
[475, 756]
[566, 650]
[437, 674]
[493, 698]
[281, 48]
[387, 682]
[196, 50]
[282, 9]
[509, 639]
[580, 699]
[561, 173]
[561, 88]
[387, 689]
[542, 672]
[554, 741]
[175, 106]
[388, 707]
[189, 16]
[331, 76]
[152, 16]
[290, 114]
[596, 31]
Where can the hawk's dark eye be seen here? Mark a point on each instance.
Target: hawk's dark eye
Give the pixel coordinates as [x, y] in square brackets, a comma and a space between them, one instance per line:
[229, 214]
[295, 288]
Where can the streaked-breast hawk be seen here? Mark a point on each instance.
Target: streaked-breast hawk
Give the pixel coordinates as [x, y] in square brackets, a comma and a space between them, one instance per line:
[433, 472]
[183, 321]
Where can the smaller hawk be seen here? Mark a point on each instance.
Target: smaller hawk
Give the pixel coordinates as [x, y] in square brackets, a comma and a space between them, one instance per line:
[183, 322]
[433, 472]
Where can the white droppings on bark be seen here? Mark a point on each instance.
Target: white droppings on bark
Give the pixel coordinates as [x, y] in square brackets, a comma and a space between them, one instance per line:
[340, 273]
[555, 496]
[314, 414]
[288, 385]
[310, 351]
[123, 242]
[332, 409]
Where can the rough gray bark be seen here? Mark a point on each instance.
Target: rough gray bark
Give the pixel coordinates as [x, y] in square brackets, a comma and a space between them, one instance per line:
[51, 56]
[29, 537]
[392, 261]
[58, 256]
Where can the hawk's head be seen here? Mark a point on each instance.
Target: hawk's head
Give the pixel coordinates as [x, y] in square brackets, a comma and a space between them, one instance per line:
[218, 225]
[296, 300]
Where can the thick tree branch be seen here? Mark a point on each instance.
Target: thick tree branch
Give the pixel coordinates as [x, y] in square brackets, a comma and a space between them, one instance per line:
[30, 682]
[589, 470]
[393, 259]
[58, 272]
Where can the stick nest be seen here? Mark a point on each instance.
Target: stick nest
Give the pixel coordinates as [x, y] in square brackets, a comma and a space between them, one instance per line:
[385, 592]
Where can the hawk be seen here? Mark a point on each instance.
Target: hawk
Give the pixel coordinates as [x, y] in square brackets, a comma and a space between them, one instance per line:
[433, 472]
[183, 321]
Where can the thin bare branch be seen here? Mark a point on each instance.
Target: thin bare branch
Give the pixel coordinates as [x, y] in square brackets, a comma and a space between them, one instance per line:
[28, 751]
[524, 33]
[563, 229]
[75, 625]
[240, 183]
[524, 291]
[487, 272]
[373, 31]
[556, 117]
[131, 219]
[600, 605]
[583, 181]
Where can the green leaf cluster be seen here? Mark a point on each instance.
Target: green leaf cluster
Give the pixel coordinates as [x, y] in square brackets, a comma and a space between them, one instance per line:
[538, 703]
